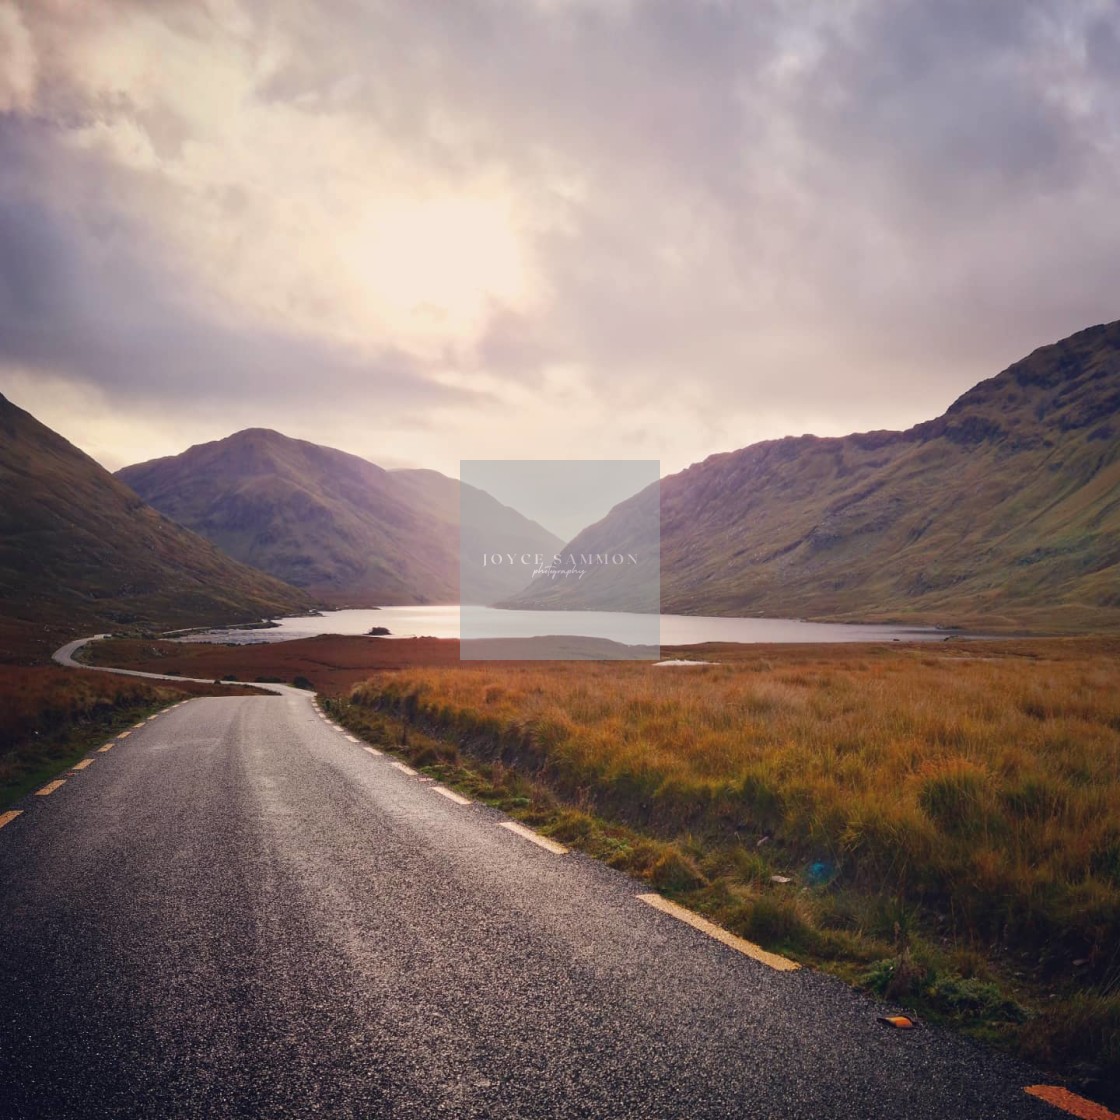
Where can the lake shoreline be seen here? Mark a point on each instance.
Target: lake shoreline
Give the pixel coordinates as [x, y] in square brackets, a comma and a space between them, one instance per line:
[625, 629]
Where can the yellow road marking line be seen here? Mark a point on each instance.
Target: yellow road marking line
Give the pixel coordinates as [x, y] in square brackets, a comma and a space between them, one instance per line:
[739, 944]
[451, 795]
[1070, 1102]
[124, 734]
[535, 837]
[405, 769]
[83, 764]
[107, 747]
[9, 816]
[50, 787]
[372, 751]
[351, 738]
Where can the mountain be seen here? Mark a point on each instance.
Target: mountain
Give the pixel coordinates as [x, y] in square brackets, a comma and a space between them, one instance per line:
[80, 550]
[478, 524]
[1003, 511]
[612, 565]
[339, 526]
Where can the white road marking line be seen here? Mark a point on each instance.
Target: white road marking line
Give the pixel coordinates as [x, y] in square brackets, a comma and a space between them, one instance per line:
[9, 816]
[370, 750]
[83, 764]
[351, 738]
[49, 788]
[535, 837]
[451, 795]
[739, 944]
[405, 769]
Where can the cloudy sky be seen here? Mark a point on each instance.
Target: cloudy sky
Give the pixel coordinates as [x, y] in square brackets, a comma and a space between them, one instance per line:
[426, 230]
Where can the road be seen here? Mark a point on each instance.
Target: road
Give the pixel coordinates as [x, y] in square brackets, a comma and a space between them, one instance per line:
[238, 911]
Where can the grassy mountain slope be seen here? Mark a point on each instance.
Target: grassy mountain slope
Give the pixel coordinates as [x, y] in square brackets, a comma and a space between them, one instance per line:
[333, 523]
[1005, 510]
[487, 526]
[630, 529]
[80, 550]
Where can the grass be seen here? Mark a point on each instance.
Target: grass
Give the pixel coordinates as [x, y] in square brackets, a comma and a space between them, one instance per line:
[948, 817]
[50, 717]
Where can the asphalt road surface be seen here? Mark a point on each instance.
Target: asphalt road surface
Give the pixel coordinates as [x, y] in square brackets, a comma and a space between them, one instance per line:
[238, 911]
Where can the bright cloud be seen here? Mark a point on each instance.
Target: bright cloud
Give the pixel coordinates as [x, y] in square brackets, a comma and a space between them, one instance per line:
[476, 228]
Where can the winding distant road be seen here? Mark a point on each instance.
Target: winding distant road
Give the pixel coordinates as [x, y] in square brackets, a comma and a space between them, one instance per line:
[236, 910]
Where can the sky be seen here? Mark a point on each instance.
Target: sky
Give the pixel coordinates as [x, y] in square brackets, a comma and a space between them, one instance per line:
[432, 230]
[563, 495]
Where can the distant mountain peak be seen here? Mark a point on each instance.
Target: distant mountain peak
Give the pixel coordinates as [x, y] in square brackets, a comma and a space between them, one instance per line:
[1005, 509]
[78, 548]
[324, 519]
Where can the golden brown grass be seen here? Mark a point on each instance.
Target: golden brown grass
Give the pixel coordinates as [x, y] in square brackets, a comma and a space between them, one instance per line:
[992, 783]
[960, 800]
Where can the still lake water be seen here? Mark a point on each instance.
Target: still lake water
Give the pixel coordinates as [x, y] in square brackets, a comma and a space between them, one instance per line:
[489, 622]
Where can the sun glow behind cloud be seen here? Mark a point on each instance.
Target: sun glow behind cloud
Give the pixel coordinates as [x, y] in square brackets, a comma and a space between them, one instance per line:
[429, 269]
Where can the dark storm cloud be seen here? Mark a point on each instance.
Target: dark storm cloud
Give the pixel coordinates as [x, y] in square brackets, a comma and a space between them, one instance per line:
[947, 109]
[971, 141]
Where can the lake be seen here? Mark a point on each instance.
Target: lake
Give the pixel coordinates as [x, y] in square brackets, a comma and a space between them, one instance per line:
[489, 622]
